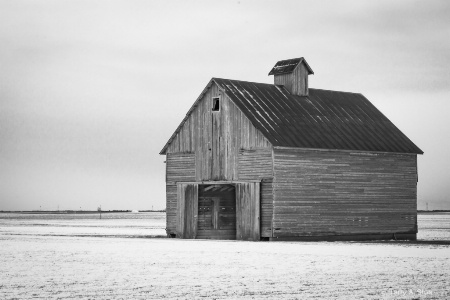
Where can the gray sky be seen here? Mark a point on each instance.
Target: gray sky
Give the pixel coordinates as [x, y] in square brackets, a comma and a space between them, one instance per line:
[90, 91]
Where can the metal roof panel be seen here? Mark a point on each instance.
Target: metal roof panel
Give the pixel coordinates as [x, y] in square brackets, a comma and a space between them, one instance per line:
[323, 119]
[288, 66]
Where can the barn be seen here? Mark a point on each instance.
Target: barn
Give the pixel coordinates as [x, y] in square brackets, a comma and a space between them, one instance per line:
[282, 161]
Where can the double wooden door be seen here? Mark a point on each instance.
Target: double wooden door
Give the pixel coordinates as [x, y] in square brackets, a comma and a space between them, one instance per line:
[219, 211]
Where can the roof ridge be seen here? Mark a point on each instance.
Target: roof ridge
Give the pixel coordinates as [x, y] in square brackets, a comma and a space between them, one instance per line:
[316, 89]
[217, 78]
[287, 66]
[286, 120]
[271, 84]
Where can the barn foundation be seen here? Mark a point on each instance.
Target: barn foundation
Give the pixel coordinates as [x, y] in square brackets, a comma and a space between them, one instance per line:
[353, 237]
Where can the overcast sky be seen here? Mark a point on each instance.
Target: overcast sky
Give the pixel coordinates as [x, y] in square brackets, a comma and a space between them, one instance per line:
[90, 91]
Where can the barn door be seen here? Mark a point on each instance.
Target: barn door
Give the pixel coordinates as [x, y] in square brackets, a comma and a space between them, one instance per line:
[248, 211]
[187, 210]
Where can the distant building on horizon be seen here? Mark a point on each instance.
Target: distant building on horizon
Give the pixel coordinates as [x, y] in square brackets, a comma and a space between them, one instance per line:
[281, 161]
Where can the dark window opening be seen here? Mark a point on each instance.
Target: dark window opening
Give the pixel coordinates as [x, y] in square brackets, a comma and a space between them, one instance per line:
[216, 104]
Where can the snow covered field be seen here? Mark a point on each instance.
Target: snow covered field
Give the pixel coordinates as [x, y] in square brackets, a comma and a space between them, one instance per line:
[111, 224]
[49, 257]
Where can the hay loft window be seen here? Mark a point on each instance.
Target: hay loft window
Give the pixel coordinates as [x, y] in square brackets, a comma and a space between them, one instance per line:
[215, 103]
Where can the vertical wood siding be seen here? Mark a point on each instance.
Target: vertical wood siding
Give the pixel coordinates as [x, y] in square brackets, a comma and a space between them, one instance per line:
[207, 147]
[179, 167]
[187, 210]
[266, 207]
[336, 192]
[248, 211]
[257, 164]
[296, 82]
[216, 137]
[217, 212]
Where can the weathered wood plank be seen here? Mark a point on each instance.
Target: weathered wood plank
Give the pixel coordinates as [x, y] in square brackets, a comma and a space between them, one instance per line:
[254, 164]
[296, 82]
[180, 167]
[216, 137]
[217, 207]
[338, 192]
[207, 148]
[187, 210]
[248, 211]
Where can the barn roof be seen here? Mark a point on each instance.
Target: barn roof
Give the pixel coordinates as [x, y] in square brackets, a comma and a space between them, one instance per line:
[323, 119]
[288, 65]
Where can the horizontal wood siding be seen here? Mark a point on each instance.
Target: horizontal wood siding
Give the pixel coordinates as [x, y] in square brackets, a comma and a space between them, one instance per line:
[171, 208]
[180, 167]
[336, 192]
[257, 164]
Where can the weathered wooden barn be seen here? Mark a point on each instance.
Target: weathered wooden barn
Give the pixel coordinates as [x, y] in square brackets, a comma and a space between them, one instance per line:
[281, 161]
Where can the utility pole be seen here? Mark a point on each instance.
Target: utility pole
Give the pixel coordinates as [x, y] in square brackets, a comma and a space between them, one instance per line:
[427, 205]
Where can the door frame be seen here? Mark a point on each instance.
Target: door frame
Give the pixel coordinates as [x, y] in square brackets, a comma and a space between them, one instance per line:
[248, 208]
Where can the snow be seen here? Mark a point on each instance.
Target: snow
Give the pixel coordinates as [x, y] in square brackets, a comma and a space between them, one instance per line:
[111, 224]
[434, 226]
[50, 258]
